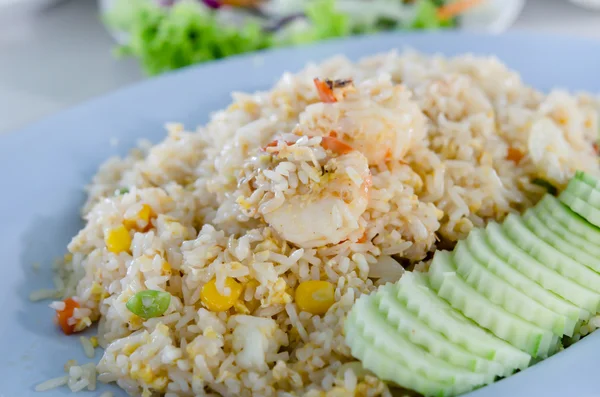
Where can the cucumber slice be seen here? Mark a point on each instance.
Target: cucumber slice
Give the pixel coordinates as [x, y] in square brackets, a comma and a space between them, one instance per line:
[380, 334]
[415, 294]
[589, 179]
[584, 191]
[562, 228]
[405, 323]
[385, 366]
[585, 210]
[573, 221]
[503, 294]
[479, 246]
[537, 226]
[535, 271]
[552, 258]
[518, 332]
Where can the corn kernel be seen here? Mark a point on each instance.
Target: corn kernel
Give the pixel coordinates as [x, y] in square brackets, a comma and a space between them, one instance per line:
[144, 373]
[96, 291]
[135, 321]
[315, 297]
[118, 240]
[214, 301]
[166, 268]
[94, 341]
[145, 214]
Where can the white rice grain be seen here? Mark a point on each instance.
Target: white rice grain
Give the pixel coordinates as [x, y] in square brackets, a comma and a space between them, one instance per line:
[88, 349]
[52, 383]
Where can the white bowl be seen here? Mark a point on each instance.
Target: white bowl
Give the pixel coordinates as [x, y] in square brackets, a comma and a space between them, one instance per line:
[591, 4]
[493, 16]
[14, 7]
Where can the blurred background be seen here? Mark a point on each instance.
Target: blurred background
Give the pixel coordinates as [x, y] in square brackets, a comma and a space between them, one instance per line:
[56, 53]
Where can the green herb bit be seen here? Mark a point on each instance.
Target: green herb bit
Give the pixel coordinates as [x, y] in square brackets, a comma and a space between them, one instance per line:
[545, 184]
[121, 191]
[148, 304]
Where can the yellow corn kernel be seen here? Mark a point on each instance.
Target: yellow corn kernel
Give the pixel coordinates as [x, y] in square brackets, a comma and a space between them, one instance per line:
[144, 374]
[94, 341]
[96, 291]
[214, 301]
[160, 383]
[118, 240]
[135, 321]
[314, 296]
[166, 268]
[145, 214]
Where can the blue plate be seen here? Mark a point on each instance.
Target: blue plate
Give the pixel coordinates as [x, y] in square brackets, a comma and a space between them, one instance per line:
[44, 167]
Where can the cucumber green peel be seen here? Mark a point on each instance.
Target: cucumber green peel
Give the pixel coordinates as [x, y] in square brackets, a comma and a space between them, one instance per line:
[519, 287]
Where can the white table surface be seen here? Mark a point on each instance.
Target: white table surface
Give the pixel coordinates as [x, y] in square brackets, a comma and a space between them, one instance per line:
[62, 56]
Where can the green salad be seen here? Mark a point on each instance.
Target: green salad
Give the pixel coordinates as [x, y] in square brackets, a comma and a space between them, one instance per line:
[172, 34]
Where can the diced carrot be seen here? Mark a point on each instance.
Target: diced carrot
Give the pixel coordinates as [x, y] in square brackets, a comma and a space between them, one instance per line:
[515, 155]
[335, 145]
[325, 91]
[388, 154]
[596, 148]
[362, 238]
[273, 144]
[455, 8]
[63, 316]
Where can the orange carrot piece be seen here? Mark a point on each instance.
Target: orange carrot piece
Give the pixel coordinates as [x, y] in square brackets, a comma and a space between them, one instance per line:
[335, 145]
[63, 316]
[515, 155]
[455, 8]
[325, 91]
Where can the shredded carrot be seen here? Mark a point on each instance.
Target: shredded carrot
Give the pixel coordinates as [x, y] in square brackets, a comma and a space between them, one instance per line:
[63, 316]
[515, 155]
[455, 8]
[335, 145]
[325, 91]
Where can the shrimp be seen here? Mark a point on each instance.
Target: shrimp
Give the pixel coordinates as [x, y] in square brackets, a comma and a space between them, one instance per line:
[384, 130]
[327, 211]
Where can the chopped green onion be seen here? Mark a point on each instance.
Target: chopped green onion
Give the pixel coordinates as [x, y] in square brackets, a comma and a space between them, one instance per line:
[148, 304]
[121, 191]
[545, 184]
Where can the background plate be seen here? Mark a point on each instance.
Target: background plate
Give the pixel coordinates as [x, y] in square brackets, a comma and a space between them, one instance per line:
[44, 167]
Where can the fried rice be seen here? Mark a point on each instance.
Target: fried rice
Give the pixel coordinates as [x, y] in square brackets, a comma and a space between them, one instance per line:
[348, 184]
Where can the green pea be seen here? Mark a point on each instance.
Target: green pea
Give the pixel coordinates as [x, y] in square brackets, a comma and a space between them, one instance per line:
[148, 304]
